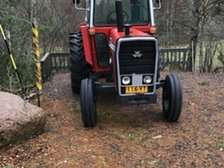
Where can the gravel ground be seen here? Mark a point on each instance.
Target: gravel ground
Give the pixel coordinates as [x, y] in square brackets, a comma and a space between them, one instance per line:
[134, 136]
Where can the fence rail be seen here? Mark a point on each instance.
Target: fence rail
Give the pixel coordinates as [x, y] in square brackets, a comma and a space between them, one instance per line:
[54, 62]
[174, 58]
[171, 58]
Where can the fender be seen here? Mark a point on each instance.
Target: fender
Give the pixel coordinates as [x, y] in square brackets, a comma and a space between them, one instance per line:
[87, 44]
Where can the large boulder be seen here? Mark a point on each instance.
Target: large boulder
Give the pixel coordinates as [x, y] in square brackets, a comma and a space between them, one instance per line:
[18, 120]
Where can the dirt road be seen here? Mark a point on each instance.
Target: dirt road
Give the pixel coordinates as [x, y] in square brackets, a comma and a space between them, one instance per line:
[130, 137]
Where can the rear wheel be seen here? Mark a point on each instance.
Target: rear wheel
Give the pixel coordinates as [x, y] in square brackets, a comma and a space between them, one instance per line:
[78, 65]
[88, 102]
[172, 98]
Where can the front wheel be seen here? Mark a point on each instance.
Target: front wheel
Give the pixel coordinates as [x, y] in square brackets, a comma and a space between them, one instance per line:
[172, 98]
[88, 102]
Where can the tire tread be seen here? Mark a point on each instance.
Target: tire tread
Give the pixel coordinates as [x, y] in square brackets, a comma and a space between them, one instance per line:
[79, 68]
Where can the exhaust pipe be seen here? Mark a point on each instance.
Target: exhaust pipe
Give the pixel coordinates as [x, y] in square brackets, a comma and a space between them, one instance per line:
[119, 13]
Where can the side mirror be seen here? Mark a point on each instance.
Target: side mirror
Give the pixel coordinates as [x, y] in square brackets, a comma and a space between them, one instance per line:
[76, 1]
[159, 4]
[158, 1]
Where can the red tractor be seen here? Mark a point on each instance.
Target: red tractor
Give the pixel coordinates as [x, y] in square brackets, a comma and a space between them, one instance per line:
[116, 48]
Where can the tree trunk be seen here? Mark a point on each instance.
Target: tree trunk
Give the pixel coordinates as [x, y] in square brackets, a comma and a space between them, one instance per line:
[192, 53]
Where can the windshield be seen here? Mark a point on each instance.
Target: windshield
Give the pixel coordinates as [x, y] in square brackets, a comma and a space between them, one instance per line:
[135, 12]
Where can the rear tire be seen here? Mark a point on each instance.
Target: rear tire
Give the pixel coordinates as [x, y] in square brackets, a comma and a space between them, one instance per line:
[172, 98]
[88, 102]
[79, 68]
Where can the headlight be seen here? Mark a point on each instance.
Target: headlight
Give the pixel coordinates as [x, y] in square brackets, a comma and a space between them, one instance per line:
[126, 80]
[147, 79]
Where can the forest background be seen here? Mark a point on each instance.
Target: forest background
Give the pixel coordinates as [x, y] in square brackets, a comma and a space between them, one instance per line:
[195, 24]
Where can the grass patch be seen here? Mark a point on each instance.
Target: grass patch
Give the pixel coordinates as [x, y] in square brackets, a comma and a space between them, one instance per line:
[3, 141]
[203, 83]
[133, 137]
[218, 145]
[125, 136]
[119, 136]
[7, 166]
[74, 108]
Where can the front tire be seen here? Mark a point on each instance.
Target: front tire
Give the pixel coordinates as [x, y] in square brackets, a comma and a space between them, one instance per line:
[88, 102]
[172, 98]
[80, 69]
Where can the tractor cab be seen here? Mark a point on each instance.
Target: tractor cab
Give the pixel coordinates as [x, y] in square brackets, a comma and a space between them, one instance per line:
[117, 42]
[103, 12]
[135, 12]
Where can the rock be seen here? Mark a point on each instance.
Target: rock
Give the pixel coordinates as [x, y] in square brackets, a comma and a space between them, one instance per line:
[18, 120]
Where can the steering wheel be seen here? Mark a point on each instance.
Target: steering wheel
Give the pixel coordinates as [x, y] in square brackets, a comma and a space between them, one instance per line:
[112, 19]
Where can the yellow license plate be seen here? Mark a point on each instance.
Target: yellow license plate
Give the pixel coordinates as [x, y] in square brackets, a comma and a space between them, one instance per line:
[136, 90]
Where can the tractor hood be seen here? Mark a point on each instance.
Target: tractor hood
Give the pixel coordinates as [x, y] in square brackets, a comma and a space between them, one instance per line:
[115, 35]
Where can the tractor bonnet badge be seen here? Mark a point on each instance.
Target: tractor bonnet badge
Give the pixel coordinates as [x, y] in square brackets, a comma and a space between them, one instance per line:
[137, 54]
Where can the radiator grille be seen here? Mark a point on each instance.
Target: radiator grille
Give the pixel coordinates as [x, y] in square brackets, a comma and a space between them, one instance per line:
[144, 64]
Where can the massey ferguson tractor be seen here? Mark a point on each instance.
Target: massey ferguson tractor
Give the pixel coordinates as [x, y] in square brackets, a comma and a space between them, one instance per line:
[116, 49]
